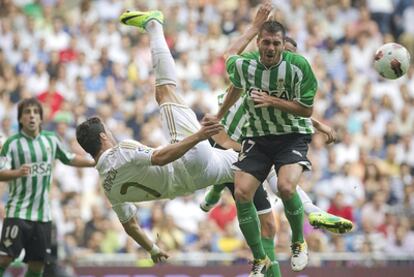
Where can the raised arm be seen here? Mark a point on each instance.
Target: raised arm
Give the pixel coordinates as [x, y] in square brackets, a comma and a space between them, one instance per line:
[238, 46]
[233, 94]
[175, 151]
[133, 229]
[80, 161]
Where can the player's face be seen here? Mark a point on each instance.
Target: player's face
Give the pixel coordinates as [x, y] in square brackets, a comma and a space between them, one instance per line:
[270, 47]
[109, 135]
[290, 47]
[31, 120]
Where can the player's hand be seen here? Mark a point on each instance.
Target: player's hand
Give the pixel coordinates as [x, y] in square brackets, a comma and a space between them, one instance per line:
[160, 257]
[328, 131]
[209, 118]
[331, 134]
[209, 128]
[261, 99]
[24, 170]
[262, 14]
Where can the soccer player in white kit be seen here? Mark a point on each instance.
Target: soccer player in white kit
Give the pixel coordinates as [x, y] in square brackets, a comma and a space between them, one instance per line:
[133, 172]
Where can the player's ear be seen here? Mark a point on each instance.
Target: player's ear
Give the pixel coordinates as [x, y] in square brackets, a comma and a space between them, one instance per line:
[102, 135]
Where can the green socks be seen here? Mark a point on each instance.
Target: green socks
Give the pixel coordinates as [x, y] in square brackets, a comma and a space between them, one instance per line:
[214, 194]
[294, 214]
[269, 248]
[249, 225]
[33, 274]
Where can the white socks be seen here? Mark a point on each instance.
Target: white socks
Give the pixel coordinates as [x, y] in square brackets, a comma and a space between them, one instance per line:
[162, 60]
[308, 206]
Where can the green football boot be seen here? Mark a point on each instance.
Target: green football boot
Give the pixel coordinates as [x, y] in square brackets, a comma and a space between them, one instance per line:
[140, 19]
[330, 222]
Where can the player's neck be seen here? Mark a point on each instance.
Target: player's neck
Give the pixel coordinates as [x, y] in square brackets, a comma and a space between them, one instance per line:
[105, 146]
[29, 133]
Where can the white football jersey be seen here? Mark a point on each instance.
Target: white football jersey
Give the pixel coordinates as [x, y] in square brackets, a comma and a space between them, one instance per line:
[128, 175]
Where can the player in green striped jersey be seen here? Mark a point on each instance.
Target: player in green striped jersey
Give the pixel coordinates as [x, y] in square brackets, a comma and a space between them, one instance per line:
[280, 88]
[26, 163]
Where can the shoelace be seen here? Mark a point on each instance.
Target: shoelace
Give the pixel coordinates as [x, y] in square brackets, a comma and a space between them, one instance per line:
[296, 249]
[257, 266]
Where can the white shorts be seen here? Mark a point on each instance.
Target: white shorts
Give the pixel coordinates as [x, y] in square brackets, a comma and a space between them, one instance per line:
[206, 165]
[178, 121]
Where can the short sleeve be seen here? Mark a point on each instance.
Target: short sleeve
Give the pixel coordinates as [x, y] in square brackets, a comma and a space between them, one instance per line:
[234, 69]
[61, 153]
[5, 157]
[125, 211]
[307, 86]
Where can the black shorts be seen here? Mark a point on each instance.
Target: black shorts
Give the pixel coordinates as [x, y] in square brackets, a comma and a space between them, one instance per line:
[260, 200]
[260, 153]
[33, 236]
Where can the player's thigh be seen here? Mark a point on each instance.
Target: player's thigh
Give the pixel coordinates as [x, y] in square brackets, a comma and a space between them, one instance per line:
[293, 150]
[253, 160]
[245, 186]
[290, 174]
[178, 121]
[13, 237]
[39, 248]
[167, 94]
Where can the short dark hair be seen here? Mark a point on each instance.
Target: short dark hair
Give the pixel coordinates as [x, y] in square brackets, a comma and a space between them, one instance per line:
[291, 41]
[272, 26]
[25, 103]
[88, 135]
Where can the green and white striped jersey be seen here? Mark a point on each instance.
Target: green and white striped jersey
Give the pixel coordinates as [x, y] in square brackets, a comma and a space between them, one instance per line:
[291, 79]
[29, 196]
[234, 119]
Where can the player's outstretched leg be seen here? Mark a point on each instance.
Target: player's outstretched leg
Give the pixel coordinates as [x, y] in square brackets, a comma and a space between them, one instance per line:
[316, 216]
[211, 197]
[163, 62]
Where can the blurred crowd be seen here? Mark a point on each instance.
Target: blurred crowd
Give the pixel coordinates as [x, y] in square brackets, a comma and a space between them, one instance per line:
[79, 61]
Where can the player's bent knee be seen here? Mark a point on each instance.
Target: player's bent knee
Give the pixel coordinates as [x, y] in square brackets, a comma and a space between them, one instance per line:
[286, 189]
[243, 194]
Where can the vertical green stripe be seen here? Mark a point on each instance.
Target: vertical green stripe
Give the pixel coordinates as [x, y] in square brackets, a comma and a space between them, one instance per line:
[46, 184]
[273, 81]
[273, 118]
[236, 119]
[45, 179]
[250, 124]
[258, 74]
[13, 184]
[23, 179]
[34, 181]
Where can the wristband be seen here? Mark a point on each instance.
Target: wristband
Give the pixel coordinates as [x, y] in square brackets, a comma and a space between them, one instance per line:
[154, 250]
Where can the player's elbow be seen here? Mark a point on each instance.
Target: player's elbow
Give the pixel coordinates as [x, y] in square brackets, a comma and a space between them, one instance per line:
[158, 158]
[307, 112]
[130, 226]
